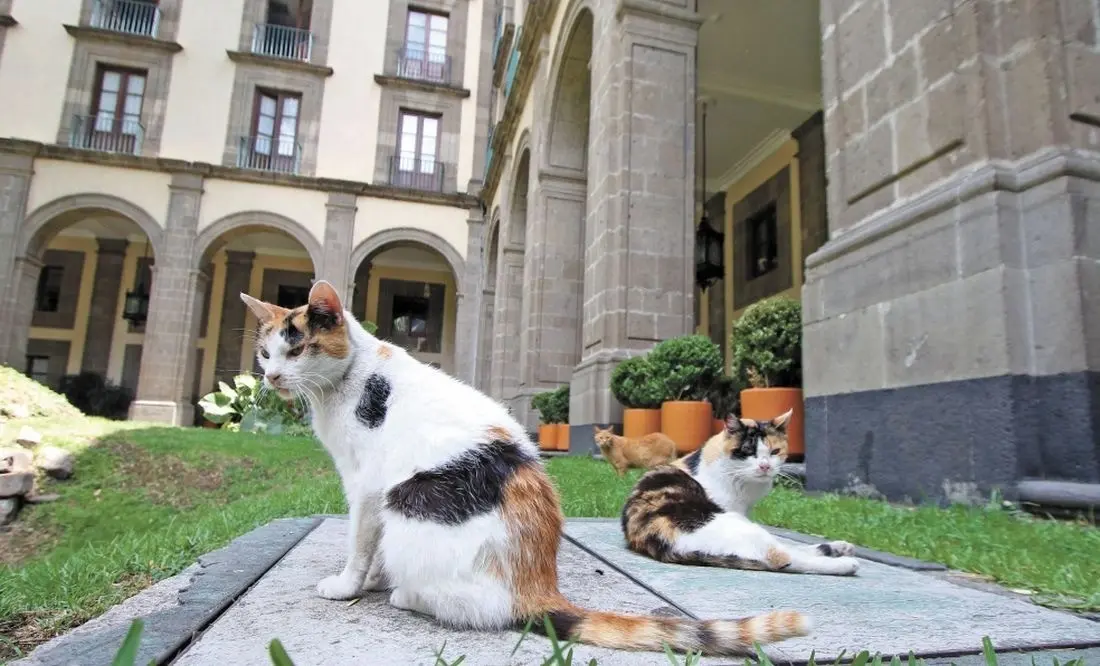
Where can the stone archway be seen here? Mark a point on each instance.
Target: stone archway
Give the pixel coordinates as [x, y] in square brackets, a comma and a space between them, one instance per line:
[216, 234]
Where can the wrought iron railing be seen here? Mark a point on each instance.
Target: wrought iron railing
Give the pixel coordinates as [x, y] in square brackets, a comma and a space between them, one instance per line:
[128, 16]
[416, 173]
[280, 41]
[106, 133]
[265, 153]
[414, 62]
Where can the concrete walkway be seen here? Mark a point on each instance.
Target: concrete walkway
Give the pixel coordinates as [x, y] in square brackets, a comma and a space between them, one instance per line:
[226, 609]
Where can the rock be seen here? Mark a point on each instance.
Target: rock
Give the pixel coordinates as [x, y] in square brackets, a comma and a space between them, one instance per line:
[41, 499]
[56, 462]
[16, 459]
[29, 437]
[9, 509]
[18, 411]
[16, 484]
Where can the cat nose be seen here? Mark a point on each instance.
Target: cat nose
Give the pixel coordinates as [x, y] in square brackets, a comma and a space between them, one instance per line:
[273, 378]
[765, 465]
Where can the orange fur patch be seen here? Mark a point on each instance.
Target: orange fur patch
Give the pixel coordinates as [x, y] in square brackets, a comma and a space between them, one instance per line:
[384, 352]
[332, 342]
[498, 433]
[532, 513]
[777, 559]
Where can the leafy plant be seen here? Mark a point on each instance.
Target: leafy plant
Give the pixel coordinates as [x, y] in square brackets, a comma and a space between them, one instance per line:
[767, 343]
[634, 386]
[553, 406]
[370, 326]
[685, 367]
[95, 395]
[725, 397]
[249, 407]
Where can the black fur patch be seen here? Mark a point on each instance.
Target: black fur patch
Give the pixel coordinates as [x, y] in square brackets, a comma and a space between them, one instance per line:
[693, 460]
[320, 319]
[468, 486]
[563, 622]
[826, 550]
[684, 502]
[291, 334]
[750, 436]
[371, 410]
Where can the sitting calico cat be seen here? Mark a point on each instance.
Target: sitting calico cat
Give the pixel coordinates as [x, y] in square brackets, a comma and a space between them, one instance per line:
[645, 452]
[449, 504]
[695, 511]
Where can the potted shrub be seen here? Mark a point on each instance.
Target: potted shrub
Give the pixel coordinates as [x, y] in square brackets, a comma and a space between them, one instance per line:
[548, 432]
[633, 385]
[767, 357]
[560, 401]
[685, 368]
[724, 400]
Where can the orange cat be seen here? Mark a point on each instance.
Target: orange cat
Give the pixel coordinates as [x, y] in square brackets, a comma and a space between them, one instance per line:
[644, 452]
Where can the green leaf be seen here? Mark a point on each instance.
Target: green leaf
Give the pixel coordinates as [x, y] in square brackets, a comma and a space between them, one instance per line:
[279, 657]
[987, 651]
[227, 390]
[245, 381]
[127, 654]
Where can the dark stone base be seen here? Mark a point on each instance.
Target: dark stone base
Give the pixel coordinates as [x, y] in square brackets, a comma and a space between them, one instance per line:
[956, 440]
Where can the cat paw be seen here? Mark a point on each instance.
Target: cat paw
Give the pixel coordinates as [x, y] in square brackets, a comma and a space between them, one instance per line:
[404, 599]
[845, 566]
[836, 549]
[339, 587]
[376, 582]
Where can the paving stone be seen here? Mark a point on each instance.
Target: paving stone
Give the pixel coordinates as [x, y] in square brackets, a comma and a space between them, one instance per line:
[882, 608]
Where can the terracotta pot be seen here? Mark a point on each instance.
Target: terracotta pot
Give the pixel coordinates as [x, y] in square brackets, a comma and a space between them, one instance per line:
[719, 426]
[641, 422]
[763, 404]
[548, 436]
[687, 422]
[562, 436]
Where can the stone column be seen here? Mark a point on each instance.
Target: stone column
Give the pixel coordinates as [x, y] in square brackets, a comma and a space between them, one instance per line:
[469, 300]
[339, 227]
[15, 182]
[238, 274]
[952, 320]
[24, 285]
[168, 359]
[110, 259]
[638, 276]
[508, 300]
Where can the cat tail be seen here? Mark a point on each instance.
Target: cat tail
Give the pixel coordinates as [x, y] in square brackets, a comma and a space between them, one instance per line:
[620, 631]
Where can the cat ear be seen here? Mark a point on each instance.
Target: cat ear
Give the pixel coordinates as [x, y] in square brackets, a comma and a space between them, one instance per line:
[733, 424]
[325, 309]
[780, 422]
[265, 312]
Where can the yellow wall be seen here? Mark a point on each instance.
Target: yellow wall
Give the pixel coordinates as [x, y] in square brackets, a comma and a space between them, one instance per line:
[450, 305]
[33, 95]
[224, 197]
[78, 334]
[376, 215]
[54, 178]
[785, 157]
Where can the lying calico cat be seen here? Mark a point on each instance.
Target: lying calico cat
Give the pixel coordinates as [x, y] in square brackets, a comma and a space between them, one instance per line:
[695, 511]
[449, 504]
[645, 452]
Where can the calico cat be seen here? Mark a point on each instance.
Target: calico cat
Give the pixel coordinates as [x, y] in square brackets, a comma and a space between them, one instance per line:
[449, 504]
[695, 511]
[645, 452]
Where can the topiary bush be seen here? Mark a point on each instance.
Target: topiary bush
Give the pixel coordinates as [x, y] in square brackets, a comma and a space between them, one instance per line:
[553, 406]
[767, 344]
[634, 386]
[684, 368]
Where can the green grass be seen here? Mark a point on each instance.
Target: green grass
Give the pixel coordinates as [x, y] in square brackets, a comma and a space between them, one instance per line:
[1056, 560]
[145, 502]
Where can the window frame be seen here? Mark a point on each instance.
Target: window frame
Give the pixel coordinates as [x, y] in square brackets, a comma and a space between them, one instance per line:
[769, 216]
[273, 156]
[419, 60]
[416, 176]
[117, 134]
[43, 275]
[29, 371]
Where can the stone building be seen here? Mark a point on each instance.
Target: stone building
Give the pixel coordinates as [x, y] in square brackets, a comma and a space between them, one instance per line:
[157, 158]
[923, 174]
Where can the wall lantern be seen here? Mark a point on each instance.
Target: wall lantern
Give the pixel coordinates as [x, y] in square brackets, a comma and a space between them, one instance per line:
[709, 242]
[135, 308]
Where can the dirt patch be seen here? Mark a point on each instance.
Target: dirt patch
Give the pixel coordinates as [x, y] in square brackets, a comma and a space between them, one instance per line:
[164, 479]
[20, 541]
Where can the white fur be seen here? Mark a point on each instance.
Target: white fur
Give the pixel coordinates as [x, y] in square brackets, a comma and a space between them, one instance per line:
[736, 486]
[431, 419]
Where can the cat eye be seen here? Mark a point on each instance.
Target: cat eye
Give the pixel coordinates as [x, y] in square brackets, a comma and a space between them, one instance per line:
[775, 452]
[263, 353]
[292, 353]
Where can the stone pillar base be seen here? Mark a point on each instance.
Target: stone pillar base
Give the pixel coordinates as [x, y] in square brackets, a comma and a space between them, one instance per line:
[590, 399]
[168, 413]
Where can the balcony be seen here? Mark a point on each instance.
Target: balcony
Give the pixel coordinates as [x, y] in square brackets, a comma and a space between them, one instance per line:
[265, 153]
[107, 134]
[416, 173]
[280, 41]
[502, 41]
[131, 17]
[420, 65]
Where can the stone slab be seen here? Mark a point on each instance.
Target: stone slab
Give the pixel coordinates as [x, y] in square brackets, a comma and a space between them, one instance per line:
[885, 609]
[317, 631]
[177, 608]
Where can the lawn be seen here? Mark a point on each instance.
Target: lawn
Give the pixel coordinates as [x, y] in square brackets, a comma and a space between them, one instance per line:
[146, 502]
